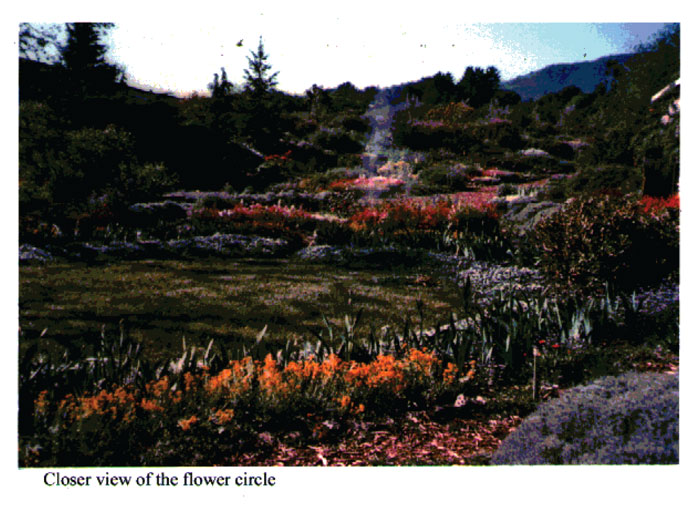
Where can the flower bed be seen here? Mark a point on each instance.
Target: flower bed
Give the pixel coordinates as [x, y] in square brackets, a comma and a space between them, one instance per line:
[422, 223]
[290, 223]
[206, 411]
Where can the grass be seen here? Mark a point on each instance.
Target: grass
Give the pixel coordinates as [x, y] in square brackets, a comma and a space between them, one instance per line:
[229, 301]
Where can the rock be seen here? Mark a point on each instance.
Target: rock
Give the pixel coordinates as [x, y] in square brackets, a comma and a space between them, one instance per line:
[322, 254]
[535, 152]
[532, 213]
[487, 280]
[117, 250]
[486, 180]
[228, 245]
[512, 204]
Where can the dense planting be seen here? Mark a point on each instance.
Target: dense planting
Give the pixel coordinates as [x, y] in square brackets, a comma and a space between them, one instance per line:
[631, 419]
[218, 414]
[243, 276]
[607, 239]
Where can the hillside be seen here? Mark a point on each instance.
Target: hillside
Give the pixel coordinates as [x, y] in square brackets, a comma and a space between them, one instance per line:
[551, 79]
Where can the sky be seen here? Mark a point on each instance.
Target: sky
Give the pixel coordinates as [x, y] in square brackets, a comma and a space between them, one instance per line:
[182, 57]
[367, 43]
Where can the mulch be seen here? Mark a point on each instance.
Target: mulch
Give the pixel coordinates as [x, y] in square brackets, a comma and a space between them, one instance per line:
[415, 439]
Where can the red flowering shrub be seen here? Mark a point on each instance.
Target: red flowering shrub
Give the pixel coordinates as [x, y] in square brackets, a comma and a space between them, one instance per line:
[659, 205]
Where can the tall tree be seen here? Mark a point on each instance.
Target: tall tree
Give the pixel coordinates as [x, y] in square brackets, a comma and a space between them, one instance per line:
[84, 58]
[257, 80]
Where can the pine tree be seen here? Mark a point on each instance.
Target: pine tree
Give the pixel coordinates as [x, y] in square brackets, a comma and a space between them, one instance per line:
[221, 88]
[257, 81]
[84, 58]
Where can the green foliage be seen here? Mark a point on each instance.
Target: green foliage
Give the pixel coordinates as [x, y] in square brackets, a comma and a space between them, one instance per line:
[40, 142]
[84, 58]
[61, 170]
[338, 140]
[592, 180]
[221, 88]
[607, 238]
[630, 419]
[478, 86]
[258, 81]
[145, 182]
[441, 177]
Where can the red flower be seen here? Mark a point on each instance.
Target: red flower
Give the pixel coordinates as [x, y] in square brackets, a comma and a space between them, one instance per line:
[556, 345]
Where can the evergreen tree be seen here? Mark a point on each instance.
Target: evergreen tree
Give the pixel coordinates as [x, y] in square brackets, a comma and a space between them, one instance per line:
[84, 58]
[257, 81]
[221, 88]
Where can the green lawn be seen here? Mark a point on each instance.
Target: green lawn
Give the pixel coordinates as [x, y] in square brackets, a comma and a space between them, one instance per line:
[227, 300]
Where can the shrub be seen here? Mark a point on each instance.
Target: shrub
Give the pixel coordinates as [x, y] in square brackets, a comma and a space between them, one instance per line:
[630, 419]
[216, 202]
[608, 238]
[596, 179]
[499, 131]
[446, 177]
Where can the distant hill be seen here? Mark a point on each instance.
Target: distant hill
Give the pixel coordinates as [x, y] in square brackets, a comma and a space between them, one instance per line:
[584, 75]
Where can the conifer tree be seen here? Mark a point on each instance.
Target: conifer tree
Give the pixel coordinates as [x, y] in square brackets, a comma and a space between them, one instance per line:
[257, 80]
[84, 58]
[221, 88]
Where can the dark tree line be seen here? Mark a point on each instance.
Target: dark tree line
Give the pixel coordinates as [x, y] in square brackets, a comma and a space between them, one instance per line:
[477, 88]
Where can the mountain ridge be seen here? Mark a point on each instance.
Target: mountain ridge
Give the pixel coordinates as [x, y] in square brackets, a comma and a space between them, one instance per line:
[585, 75]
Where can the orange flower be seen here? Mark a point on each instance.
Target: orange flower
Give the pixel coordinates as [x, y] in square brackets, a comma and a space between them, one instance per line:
[185, 424]
[450, 373]
[423, 360]
[150, 405]
[159, 387]
[223, 379]
[331, 365]
[189, 381]
[344, 401]
[41, 403]
[270, 377]
[223, 416]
